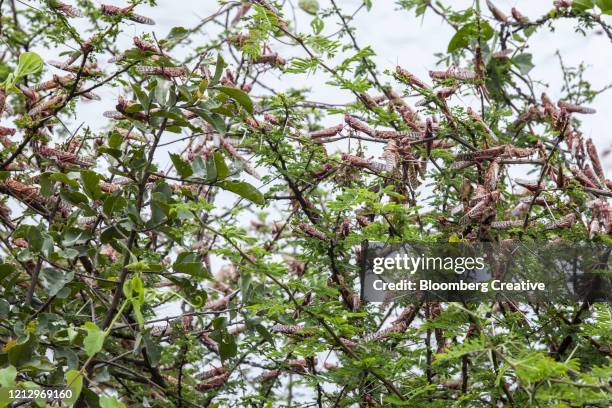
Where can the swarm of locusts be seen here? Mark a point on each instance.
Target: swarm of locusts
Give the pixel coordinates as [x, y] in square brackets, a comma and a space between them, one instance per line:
[431, 142]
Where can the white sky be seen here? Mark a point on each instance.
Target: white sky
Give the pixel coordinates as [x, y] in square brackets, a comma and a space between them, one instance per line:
[398, 37]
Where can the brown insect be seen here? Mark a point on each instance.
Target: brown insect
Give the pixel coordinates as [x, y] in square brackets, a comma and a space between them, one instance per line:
[328, 132]
[126, 12]
[168, 72]
[573, 108]
[409, 78]
[497, 13]
[565, 222]
[215, 382]
[520, 18]
[592, 152]
[146, 46]
[65, 9]
[312, 231]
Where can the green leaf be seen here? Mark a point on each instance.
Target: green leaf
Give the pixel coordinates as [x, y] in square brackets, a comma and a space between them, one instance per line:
[91, 184]
[46, 185]
[182, 167]
[177, 34]
[29, 63]
[154, 350]
[470, 32]
[23, 352]
[53, 280]
[244, 190]
[218, 70]
[309, 6]
[582, 5]
[138, 298]
[317, 25]
[222, 169]
[461, 39]
[74, 381]
[162, 92]
[190, 263]
[33, 235]
[239, 96]
[94, 341]
[110, 402]
[7, 376]
[523, 62]
[113, 204]
[605, 6]
[7, 381]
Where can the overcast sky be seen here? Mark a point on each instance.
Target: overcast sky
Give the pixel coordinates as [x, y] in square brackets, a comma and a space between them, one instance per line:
[398, 37]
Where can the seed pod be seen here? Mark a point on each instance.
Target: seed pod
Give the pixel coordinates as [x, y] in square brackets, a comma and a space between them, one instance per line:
[168, 72]
[409, 78]
[312, 231]
[65, 9]
[329, 132]
[497, 13]
[565, 222]
[572, 108]
[592, 152]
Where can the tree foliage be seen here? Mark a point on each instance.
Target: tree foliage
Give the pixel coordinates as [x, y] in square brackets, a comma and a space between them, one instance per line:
[198, 245]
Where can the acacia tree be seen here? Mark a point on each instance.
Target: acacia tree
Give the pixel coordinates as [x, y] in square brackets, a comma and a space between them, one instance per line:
[209, 190]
